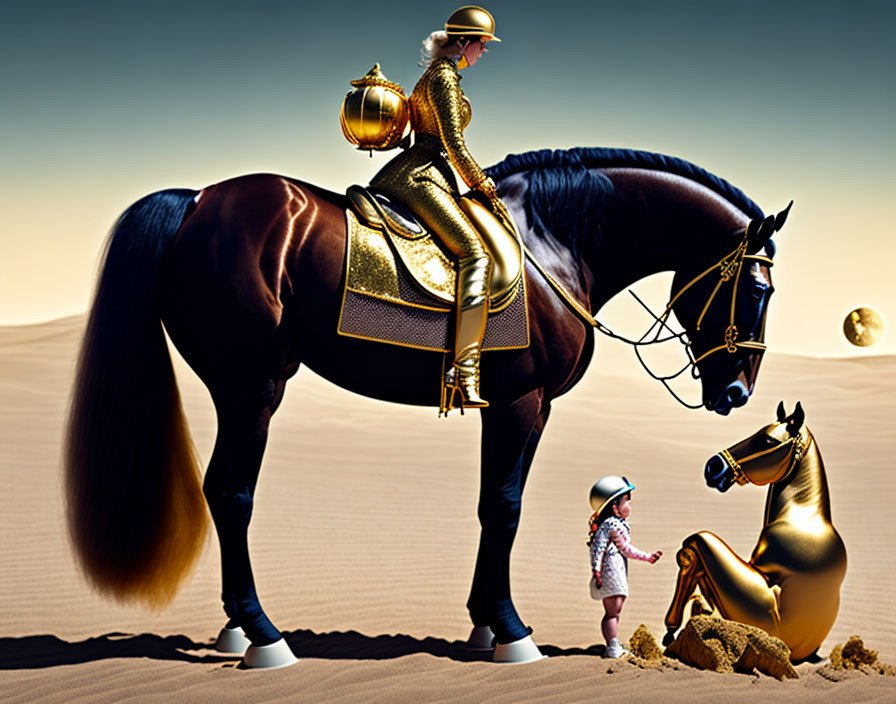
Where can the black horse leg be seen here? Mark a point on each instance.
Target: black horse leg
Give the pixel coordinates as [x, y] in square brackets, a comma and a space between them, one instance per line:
[532, 442]
[510, 436]
[229, 489]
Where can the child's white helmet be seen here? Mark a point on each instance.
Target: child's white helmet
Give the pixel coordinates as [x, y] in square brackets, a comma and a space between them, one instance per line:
[607, 489]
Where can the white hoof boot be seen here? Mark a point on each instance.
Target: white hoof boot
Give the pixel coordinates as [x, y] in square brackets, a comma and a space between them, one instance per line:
[277, 654]
[615, 649]
[481, 638]
[522, 650]
[232, 640]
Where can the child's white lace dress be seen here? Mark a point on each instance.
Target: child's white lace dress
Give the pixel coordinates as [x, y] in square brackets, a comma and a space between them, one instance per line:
[609, 551]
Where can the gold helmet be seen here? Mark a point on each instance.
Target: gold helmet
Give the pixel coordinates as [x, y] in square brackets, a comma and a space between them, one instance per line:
[471, 21]
[375, 114]
[607, 489]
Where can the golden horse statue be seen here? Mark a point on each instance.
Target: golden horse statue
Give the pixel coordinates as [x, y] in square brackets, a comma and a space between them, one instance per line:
[790, 588]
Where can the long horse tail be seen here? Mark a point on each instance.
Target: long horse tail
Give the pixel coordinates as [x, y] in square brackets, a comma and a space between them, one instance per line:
[136, 512]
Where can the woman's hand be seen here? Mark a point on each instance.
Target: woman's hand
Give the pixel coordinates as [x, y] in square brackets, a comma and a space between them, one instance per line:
[656, 556]
[598, 580]
[487, 188]
[503, 214]
[486, 193]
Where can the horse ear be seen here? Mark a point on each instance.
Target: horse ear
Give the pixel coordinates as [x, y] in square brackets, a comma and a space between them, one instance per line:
[753, 227]
[782, 414]
[758, 233]
[781, 217]
[797, 419]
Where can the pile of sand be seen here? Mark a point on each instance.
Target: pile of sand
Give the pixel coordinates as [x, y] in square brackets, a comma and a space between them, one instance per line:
[712, 643]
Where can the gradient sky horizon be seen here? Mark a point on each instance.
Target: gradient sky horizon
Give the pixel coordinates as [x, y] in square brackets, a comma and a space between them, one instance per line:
[104, 102]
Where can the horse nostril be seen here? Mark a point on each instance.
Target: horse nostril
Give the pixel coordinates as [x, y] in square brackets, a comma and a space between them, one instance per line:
[736, 394]
[715, 470]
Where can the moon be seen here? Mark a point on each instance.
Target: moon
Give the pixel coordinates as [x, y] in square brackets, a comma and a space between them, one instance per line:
[863, 327]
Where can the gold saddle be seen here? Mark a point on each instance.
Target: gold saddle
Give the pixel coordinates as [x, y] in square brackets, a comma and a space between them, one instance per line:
[382, 232]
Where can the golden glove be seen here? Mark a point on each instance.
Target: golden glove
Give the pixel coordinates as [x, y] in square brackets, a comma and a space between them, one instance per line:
[488, 189]
[503, 213]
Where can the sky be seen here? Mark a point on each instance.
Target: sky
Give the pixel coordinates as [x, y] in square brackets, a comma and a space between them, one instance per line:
[102, 103]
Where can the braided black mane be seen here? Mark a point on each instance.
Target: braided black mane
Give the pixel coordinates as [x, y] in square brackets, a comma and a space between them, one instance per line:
[564, 192]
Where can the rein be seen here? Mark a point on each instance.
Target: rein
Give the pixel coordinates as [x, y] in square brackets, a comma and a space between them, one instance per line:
[730, 268]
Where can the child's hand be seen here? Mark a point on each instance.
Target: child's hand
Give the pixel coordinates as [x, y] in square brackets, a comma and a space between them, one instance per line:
[656, 556]
[598, 580]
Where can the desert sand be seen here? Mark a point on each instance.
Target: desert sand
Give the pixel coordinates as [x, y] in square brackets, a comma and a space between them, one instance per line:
[364, 538]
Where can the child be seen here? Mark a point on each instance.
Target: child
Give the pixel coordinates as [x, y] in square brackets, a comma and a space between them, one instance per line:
[608, 538]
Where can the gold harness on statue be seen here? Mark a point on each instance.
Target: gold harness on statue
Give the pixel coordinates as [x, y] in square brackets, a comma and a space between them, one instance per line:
[390, 230]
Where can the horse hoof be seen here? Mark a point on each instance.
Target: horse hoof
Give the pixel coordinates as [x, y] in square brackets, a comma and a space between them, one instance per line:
[481, 638]
[232, 640]
[522, 650]
[668, 639]
[276, 654]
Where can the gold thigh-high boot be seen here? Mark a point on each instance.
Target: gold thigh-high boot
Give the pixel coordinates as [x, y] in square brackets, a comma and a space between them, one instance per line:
[473, 278]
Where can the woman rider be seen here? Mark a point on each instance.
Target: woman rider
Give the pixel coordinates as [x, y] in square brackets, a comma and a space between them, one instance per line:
[421, 179]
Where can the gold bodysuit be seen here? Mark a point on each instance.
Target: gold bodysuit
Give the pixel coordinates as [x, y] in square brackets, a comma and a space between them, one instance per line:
[420, 177]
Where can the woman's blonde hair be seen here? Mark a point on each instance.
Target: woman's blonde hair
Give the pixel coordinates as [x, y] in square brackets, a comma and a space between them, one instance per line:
[437, 45]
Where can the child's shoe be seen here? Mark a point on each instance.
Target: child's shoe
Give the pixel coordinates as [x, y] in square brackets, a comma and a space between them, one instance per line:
[614, 649]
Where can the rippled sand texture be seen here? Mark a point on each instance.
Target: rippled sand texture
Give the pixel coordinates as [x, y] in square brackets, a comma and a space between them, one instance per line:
[365, 534]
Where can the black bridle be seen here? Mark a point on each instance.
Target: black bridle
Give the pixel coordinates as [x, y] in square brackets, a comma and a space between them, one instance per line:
[729, 269]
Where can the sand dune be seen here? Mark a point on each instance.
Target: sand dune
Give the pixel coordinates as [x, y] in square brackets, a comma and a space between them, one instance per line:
[365, 534]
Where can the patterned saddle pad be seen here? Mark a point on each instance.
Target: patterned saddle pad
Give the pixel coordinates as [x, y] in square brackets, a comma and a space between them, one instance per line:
[384, 301]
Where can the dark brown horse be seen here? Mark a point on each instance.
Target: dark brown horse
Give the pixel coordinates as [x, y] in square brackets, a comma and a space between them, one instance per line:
[246, 276]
